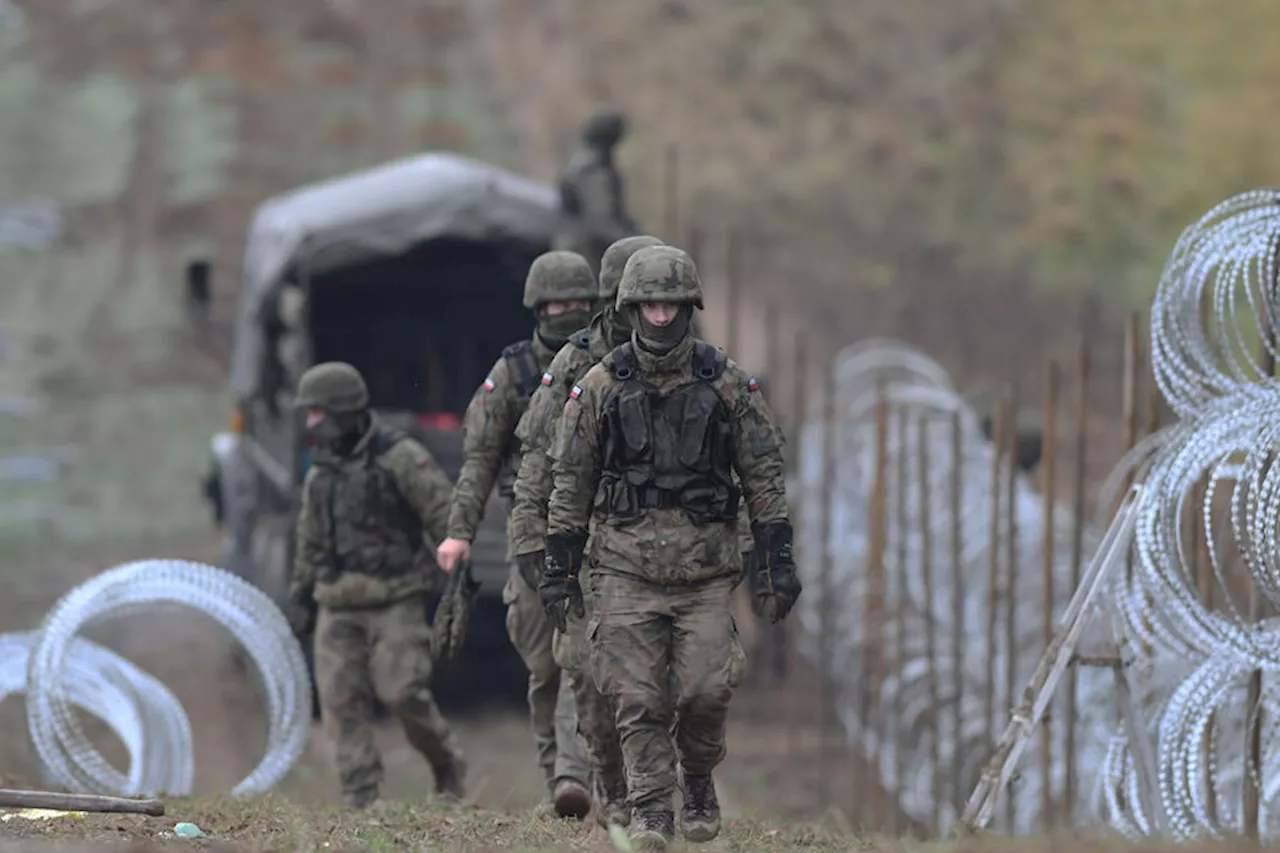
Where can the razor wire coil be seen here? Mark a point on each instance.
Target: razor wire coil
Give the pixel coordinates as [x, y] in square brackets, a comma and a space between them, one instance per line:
[58, 670]
[1210, 477]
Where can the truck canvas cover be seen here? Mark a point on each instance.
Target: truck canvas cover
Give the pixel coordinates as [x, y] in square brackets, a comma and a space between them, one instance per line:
[380, 212]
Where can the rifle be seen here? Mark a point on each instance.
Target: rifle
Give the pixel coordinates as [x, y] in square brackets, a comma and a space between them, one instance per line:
[453, 616]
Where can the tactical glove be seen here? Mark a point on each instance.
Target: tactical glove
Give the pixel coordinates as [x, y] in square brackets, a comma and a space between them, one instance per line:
[777, 586]
[530, 567]
[559, 589]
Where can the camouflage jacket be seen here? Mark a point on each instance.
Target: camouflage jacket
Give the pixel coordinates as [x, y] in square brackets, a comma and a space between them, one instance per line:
[663, 545]
[537, 430]
[490, 447]
[360, 534]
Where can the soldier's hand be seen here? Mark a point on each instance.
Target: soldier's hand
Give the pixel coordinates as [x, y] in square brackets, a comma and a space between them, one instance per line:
[451, 551]
[776, 594]
[530, 567]
[558, 594]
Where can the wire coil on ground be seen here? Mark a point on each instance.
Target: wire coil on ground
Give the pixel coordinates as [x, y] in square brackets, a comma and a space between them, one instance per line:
[136, 589]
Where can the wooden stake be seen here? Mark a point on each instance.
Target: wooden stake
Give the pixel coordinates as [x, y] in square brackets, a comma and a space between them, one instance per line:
[14, 799]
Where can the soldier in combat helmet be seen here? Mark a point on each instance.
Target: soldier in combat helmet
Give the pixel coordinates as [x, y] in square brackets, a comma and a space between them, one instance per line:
[528, 522]
[592, 203]
[560, 290]
[644, 459]
[361, 578]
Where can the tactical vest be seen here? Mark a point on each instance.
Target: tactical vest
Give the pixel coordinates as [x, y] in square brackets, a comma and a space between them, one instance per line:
[526, 375]
[579, 166]
[372, 529]
[667, 448]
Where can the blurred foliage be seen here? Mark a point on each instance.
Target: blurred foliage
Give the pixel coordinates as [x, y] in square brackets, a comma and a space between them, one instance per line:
[899, 142]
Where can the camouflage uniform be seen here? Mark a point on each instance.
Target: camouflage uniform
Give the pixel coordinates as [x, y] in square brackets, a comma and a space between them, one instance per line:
[362, 558]
[592, 205]
[492, 454]
[643, 462]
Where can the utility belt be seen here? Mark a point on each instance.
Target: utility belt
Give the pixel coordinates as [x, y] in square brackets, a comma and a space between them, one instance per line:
[703, 505]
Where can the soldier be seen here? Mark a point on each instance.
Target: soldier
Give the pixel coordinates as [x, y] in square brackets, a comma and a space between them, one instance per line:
[644, 458]
[528, 522]
[592, 202]
[560, 290]
[363, 563]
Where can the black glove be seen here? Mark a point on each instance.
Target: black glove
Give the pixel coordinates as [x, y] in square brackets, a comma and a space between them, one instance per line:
[559, 589]
[530, 567]
[777, 586]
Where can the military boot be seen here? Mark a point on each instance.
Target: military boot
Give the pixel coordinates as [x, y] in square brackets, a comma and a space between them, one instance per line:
[571, 798]
[653, 826]
[360, 799]
[610, 790]
[449, 778]
[700, 815]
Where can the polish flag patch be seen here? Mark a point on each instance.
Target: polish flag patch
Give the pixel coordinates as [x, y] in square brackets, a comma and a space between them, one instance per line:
[752, 384]
[546, 378]
[575, 393]
[488, 384]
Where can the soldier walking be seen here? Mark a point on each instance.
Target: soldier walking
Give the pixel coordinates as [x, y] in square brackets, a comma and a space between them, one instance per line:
[592, 204]
[644, 459]
[361, 577]
[560, 290]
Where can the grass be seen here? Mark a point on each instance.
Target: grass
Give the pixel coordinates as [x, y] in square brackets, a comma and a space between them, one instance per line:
[272, 823]
[275, 824]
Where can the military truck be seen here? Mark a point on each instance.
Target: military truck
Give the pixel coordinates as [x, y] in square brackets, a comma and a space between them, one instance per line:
[413, 272]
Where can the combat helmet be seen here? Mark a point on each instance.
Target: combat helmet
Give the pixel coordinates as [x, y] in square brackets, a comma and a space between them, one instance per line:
[614, 261]
[333, 385]
[660, 274]
[604, 127]
[559, 276]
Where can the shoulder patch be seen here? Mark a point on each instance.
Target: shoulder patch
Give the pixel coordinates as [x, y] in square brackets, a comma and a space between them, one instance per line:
[547, 378]
[752, 384]
[488, 383]
[576, 392]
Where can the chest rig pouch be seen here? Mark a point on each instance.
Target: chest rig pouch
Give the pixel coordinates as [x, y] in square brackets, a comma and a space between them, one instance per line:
[670, 448]
[526, 375]
[371, 528]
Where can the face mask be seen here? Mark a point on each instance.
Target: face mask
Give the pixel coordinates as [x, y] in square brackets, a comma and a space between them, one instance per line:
[326, 431]
[556, 329]
[661, 339]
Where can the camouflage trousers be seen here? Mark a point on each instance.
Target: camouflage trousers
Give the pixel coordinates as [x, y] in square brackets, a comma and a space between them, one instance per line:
[595, 712]
[665, 656]
[562, 754]
[383, 652]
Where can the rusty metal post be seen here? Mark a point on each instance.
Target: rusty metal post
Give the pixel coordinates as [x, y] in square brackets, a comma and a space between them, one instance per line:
[993, 565]
[1048, 487]
[693, 243]
[958, 629]
[671, 191]
[1012, 646]
[893, 729]
[732, 283]
[827, 491]
[1080, 463]
[868, 803]
[923, 481]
